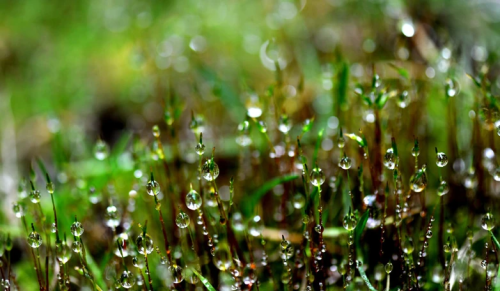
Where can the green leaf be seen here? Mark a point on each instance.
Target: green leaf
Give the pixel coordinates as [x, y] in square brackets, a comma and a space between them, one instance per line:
[497, 244]
[204, 281]
[367, 100]
[495, 240]
[381, 100]
[476, 81]
[365, 278]
[401, 71]
[307, 125]
[318, 142]
[361, 141]
[96, 272]
[255, 196]
[343, 81]
[358, 231]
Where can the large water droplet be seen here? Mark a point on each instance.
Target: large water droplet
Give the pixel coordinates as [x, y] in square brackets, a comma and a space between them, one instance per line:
[127, 279]
[152, 188]
[418, 181]
[77, 229]
[488, 221]
[441, 159]
[222, 258]
[317, 177]
[123, 240]
[193, 200]
[388, 267]
[63, 253]
[210, 170]
[182, 220]
[35, 196]
[35, 239]
[345, 163]
[389, 159]
[144, 243]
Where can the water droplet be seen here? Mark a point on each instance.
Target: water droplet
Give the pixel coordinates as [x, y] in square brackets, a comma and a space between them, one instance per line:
[35, 239]
[138, 262]
[193, 200]
[144, 243]
[35, 196]
[163, 260]
[63, 252]
[176, 273]
[197, 124]
[345, 163]
[123, 240]
[441, 159]
[222, 258]
[254, 108]
[428, 234]
[285, 244]
[18, 210]
[452, 87]
[496, 175]
[94, 196]
[182, 220]
[285, 125]
[76, 246]
[200, 149]
[350, 221]
[53, 228]
[418, 181]
[156, 130]
[488, 221]
[6, 284]
[388, 267]
[403, 99]
[470, 180]
[254, 226]
[443, 188]
[340, 142]
[77, 229]
[299, 201]
[50, 187]
[112, 219]
[317, 177]
[210, 170]
[101, 150]
[152, 188]
[389, 159]
[127, 279]
[408, 246]
[492, 270]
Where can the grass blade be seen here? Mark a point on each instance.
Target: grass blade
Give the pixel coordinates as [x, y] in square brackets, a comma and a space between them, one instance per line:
[204, 281]
[365, 278]
[255, 197]
[358, 231]
[318, 143]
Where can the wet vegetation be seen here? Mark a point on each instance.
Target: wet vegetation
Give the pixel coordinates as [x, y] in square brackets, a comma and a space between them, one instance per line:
[261, 145]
